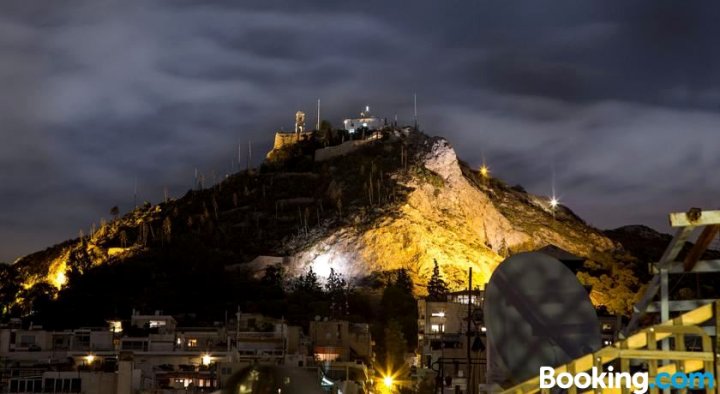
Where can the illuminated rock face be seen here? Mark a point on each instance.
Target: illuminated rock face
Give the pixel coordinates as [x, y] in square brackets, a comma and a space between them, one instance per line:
[454, 221]
[444, 211]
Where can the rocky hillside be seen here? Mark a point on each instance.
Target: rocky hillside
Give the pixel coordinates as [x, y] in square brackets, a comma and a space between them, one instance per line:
[402, 201]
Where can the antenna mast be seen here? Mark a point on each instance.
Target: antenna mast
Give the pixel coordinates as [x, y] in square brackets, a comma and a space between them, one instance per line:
[249, 156]
[317, 127]
[415, 110]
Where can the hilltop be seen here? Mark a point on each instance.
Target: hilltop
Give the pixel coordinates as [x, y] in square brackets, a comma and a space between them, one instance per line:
[399, 200]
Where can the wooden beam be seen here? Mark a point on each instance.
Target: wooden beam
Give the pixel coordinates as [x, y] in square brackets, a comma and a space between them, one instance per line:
[679, 306]
[703, 242]
[680, 219]
[676, 244]
[669, 255]
[666, 355]
[702, 266]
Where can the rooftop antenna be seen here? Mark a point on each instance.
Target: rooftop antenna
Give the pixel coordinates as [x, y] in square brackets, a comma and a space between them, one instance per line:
[317, 127]
[249, 155]
[239, 154]
[415, 110]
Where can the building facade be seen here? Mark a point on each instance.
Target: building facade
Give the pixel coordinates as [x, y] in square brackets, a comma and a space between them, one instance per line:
[448, 351]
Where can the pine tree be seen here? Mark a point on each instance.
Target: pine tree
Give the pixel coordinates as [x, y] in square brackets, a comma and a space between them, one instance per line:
[403, 281]
[437, 288]
[395, 345]
[307, 283]
[337, 290]
[274, 277]
[399, 304]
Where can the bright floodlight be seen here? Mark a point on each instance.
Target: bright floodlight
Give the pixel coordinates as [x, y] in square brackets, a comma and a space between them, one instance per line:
[206, 360]
[388, 380]
[554, 202]
[89, 358]
[484, 171]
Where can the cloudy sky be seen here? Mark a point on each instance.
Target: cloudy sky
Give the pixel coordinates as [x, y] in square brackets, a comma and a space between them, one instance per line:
[620, 100]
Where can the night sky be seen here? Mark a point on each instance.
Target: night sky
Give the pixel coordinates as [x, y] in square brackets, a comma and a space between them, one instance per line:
[620, 100]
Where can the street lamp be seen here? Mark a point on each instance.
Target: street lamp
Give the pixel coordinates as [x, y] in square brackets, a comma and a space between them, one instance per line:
[388, 381]
[484, 171]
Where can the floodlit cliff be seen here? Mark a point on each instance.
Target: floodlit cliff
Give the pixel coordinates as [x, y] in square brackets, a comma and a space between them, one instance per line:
[455, 216]
[401, 201]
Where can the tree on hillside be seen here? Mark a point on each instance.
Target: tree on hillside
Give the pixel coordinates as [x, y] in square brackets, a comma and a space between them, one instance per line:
[337, 290]
[326, 132]
[115, 211]
[307, 283]
[37, 299]
[398, 303]
[403, 281]
[9, 287]
[396, 346]
[273, 275]
[437, 288]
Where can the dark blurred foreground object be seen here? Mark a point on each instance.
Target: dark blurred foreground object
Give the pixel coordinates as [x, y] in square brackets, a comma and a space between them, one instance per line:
[268, 379]
[537, 314]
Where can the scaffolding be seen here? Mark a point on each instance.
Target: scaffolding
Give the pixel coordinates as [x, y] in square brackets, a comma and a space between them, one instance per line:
[682, 344]
[690, 350]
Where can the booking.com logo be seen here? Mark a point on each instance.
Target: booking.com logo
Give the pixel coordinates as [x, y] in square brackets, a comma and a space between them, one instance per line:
[639, 382]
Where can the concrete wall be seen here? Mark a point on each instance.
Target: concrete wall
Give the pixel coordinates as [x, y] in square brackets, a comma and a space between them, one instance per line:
[337, 150]
[91, 382]
[285, 139]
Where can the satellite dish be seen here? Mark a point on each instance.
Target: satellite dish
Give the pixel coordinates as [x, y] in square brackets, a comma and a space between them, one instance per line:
[537, 314]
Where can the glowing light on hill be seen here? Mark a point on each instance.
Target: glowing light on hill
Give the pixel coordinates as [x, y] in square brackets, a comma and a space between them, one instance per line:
[485, 171]
[58, 274]
[324, 262]
[554, 202]
[388, 381]
[60, 280]
[321, 265]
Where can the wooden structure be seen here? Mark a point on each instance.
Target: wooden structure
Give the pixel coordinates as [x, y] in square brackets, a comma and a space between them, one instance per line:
[686, 223]
[692, 351]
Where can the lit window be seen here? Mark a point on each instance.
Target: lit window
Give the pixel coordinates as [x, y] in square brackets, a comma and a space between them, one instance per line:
[157, 323]
[437, 328]
[192, 342]
[439, 314]
[115, 326]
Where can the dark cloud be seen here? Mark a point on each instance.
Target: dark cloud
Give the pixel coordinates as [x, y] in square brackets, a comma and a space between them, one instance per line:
[618, 101]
